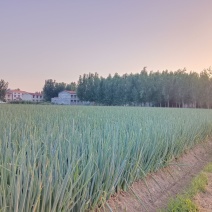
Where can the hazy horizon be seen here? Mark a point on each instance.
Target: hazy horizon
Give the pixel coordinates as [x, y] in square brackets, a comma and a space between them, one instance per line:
[62, 40]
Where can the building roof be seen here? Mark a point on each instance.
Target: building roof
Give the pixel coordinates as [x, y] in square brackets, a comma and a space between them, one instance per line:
[23, 92]
[16, 91]
[71, 92]
[8, 92]
[36, 93]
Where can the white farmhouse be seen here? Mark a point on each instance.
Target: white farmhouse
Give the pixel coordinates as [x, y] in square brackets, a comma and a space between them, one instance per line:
[14, 95]
[18, 95]
[66, 98]
[32, 97]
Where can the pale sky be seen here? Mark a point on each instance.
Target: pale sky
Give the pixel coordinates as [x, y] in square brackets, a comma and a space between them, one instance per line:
[64, 39]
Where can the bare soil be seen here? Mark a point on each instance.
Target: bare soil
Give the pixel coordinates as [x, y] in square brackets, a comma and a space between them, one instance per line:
[155, 191]
[204, 199]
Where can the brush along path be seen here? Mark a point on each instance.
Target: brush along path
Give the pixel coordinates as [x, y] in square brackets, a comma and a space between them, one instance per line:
[154, 192]
[204, 199]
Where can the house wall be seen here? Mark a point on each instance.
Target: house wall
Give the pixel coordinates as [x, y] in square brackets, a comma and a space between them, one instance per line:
[37, 97]
[27, 97]
[64, 95]
[32, 97]
[17, 95]
[8, 97]
[54, 100]
[65, 98]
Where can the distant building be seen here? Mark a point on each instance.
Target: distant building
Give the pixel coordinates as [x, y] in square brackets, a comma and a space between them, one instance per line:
[8, 96]
[18, 95]
[66, 98]
[14, 95]
[32, 97]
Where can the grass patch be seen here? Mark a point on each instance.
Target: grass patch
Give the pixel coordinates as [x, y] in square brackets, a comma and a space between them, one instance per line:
[184, 202]
[198, 184]
[208, 168]
[181, 204]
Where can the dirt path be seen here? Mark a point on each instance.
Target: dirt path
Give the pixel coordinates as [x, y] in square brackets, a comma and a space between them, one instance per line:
[154, 193]
[204, 200]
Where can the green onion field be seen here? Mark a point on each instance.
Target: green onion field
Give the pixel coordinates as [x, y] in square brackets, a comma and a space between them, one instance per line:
[62, 158]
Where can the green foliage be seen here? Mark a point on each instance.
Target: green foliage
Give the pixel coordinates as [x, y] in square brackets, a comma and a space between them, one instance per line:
[160, 89]
[208, 168]
[49, 90]
[3, 89]
[71, 87]
[184, 201]
[89, 87]
[52, 88]
[23, 102]
[182, 204]
[55, 158]
[198, 184]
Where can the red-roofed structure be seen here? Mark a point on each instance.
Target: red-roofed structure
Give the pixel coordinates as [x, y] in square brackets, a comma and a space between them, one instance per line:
[71, 92]
[18, 95]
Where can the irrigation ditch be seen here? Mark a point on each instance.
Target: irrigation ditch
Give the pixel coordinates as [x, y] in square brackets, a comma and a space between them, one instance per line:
[153, 192]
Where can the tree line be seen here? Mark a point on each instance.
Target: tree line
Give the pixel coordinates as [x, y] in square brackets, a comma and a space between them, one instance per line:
[3, 89]
[159, 89]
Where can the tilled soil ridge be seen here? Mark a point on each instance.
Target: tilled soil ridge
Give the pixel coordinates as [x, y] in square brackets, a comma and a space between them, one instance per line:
[155, 192]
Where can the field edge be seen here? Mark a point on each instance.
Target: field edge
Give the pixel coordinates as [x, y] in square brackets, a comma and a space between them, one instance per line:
[154, 192]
